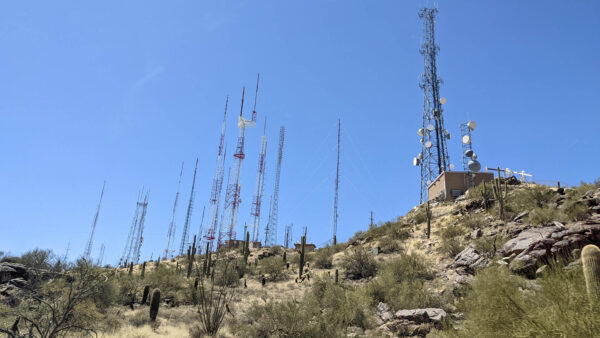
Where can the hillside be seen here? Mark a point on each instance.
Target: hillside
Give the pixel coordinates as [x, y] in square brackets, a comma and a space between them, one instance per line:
[485, 271]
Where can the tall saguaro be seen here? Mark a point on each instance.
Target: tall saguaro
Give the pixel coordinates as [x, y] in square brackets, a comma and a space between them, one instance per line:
[88, 247]
[337, 185]
[433, 158]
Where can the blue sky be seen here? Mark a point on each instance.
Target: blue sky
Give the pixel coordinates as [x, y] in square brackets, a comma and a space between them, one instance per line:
[126, 91]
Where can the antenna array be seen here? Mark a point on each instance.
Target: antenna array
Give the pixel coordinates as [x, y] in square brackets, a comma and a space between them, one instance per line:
[260, 180]
[271, 230]
[135, 239]
[188, 217]
[172, 227]
[88, 248]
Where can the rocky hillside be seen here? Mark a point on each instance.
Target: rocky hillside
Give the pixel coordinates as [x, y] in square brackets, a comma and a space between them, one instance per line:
[486, 266]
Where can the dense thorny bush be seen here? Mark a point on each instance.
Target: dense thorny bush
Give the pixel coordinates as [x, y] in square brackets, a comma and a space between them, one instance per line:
[500, 304]
[323, 258]
[273, 267]
[401, 284]
[359, 263]
[325, 311]
[173, 286]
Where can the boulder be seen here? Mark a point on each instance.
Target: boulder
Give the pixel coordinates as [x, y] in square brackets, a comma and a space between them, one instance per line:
[525, 239]
[469, 258]
[520, 216]
[18, 282]
[383, 312]
[419, 316]
[476, 233]
[7, 273]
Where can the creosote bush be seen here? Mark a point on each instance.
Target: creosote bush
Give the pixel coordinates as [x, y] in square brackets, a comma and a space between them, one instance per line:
[359, 263]
[323, 258]
[451, 244]
[273, 267]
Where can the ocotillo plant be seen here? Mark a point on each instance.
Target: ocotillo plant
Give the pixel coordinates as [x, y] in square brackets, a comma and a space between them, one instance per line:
[302, 256]
[500, 194]
[154, 304]
[590, 257]
[143, 270]
[145, 294]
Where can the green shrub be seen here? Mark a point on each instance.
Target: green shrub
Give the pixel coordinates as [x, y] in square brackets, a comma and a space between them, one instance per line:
[500, 304]
[543, 216]
[273, 267]
[575, 211]
[174, 287]
[473, 221]
[451, 244]
[229, 272]
[488, 245]
[323, 258]
[388, 245]
[418, 216]
[359, 264]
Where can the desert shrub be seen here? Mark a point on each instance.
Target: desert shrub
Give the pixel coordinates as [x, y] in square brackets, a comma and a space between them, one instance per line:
[229, 272]
[357, 236]
[575, 211]
[473, 221]
[452, 231]
[173, 286]
[451, 244]
[401, 284]
[500, 304]
[214, 304]
[488, 245]
[323, 258]
[325, 311]
[273, 267]
[38, 258]
[359, 264]
[419, 215]
[388, 245]
[543, 216]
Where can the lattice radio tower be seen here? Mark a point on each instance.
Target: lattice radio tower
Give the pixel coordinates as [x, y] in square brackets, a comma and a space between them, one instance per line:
[337, 185]
[271, 229]
[217, 186]
[433, 158]
[260, 179]
[232, 195]
[135, 238]
[188, 216]
[88, 246]
[172, 226]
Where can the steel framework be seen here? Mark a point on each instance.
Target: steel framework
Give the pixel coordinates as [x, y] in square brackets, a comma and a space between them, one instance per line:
[88, 247]
[260, 179]
[188, 216]
[172, 226]
[135, 238]
[271, 229]
[434, 154]
[336, 188]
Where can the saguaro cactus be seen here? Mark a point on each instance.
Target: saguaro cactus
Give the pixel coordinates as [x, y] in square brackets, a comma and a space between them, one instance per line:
[145, 294]
[500, 194]
[192, 254]
[336, 276]
[590, 257]
[428, 212]
[130, 268]
[302, 256]
[154, 304]
[246, 247]
[143, 270]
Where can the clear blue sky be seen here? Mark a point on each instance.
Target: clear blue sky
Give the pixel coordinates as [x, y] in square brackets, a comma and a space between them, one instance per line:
[125, 91]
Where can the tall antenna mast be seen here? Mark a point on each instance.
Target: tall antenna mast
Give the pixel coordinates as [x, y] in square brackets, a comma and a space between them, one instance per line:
[201, 230]
[271, 234]
[288, 235]
[188, 216]
[101, 255]
[232, 196]
[172, 226]
[260, 179]
[135, 238]
[433, 158]
[139, 239]
[337, 184]
[88, 247]
[217, 186]
[221, 230]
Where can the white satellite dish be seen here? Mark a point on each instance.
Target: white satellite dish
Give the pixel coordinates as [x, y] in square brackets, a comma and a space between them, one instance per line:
[451, 166]
[430, 127]
[420, 156]
[469, 153]
[443, 100]
[466, 139]
[421, 132]
[474, 156]
[428, 144]
[416, 161]
[474, 165]
[472, 125]
[447, 134]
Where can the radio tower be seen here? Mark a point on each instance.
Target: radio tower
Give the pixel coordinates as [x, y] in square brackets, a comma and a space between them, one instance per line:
[232, 196]
[337, 184]
[221, 230]
[88, 247]
[288, 235]
[271, 230]
[434, 154]
[135, 238]
[260, 179]
[172, 227]
[188, 216]
[217, 186]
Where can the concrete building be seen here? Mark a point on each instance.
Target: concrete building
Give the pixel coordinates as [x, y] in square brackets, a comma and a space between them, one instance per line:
[308, 247]
[451, 184]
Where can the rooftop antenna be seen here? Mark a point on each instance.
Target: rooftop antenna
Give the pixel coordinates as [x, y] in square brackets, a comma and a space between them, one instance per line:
[232, 195]
[433, 158]
[188, 217]
[172, 226]
[337, 183]
[88, 246]
[214, 201]
[260, 179]
[271, 233]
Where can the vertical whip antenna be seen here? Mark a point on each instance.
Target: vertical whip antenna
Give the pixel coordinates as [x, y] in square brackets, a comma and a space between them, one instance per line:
[172, 226]
[88, 247]
[255, 97]
[337, 184]
[188, 216]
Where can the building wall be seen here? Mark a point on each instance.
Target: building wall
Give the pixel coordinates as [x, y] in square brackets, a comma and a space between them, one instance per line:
[454, 181]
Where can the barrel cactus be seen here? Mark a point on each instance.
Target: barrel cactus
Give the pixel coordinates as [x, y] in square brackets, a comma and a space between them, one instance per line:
[590, 257]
